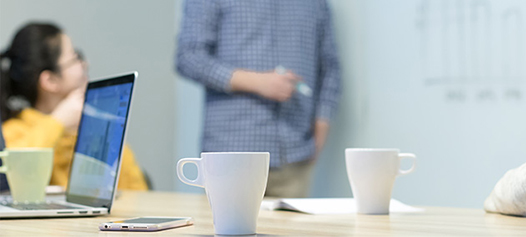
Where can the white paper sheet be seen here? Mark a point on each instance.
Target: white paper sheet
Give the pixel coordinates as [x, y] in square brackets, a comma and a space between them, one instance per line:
[328, 205]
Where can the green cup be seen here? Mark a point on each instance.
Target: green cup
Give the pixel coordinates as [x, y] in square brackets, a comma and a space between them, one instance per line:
[28, 172]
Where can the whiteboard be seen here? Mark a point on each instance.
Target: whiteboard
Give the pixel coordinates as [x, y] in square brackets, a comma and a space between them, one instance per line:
[445, 80]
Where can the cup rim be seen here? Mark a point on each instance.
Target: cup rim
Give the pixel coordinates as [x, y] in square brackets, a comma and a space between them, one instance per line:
[31, 149]
[235, 153]
[372, 149]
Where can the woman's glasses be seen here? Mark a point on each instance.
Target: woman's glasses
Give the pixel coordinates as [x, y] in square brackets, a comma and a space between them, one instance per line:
[78, 58]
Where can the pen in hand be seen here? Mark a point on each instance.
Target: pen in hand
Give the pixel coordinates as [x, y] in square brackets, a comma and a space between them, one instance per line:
[300, 86]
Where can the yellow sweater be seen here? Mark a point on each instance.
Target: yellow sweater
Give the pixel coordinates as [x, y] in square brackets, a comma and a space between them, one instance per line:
[31, 128]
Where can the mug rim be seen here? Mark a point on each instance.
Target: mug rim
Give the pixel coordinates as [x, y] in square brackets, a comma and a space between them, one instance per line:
[372, 149]
[235, 153]
[25, 149]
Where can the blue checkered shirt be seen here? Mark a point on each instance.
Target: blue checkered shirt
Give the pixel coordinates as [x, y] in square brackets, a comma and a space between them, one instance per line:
[219, 36]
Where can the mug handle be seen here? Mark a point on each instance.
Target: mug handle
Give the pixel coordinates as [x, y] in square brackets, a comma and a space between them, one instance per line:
[180, 174]
[3, 168]
[409, 156]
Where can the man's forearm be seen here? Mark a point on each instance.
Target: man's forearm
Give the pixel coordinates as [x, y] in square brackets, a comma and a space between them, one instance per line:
[244, 81]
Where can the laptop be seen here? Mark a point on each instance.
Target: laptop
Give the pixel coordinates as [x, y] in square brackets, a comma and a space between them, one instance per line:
[95, 167]
[3, 179]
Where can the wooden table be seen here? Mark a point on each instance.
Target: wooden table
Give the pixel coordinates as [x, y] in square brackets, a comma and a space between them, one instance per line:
[435, 221]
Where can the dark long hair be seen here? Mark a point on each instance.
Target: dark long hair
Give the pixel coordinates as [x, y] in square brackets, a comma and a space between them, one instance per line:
[36, 47]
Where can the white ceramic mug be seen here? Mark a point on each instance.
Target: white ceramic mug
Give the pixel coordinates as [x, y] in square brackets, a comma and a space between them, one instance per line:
[372, 173]
[28, 171]
[235, 184]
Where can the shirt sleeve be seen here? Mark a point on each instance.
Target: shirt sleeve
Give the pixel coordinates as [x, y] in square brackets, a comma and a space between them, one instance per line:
[198, 38]
[44, 133]
[509, 195]
[329, 72]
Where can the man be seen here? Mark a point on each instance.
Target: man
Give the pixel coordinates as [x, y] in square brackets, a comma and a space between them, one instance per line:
[232, 48]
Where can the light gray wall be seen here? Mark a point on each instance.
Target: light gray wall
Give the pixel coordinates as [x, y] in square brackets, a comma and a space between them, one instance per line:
[119, 36]
[189, 99]
[330, 178]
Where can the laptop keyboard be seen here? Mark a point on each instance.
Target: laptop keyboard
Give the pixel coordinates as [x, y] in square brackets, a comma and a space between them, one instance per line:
[39, 206]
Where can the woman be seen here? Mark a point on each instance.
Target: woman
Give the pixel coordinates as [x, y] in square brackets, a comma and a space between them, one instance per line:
[41, 97]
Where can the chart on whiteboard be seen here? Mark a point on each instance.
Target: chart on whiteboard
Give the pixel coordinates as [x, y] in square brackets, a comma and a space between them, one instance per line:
[473, 48]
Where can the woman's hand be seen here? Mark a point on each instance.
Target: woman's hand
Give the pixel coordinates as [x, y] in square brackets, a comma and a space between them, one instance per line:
[69, 110]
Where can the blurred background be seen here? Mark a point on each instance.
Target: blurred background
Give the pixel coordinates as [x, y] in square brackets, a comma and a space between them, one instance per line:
[444, 79]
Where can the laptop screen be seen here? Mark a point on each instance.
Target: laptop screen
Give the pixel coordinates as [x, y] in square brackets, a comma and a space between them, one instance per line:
[96, 160]
[2, 143]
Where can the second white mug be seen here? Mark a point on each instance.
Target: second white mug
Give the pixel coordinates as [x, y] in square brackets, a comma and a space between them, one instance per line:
[235, 184]
[372, 173]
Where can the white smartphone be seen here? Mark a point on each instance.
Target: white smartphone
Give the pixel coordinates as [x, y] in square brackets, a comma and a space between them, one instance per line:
[147, 223]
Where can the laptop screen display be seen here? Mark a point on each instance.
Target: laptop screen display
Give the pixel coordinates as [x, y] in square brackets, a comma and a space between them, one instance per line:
[100, 140]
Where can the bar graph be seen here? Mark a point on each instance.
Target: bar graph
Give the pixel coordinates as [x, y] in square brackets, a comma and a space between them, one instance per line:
[472, 44]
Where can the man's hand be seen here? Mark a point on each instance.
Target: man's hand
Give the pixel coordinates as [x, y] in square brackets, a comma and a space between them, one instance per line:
[270, 85]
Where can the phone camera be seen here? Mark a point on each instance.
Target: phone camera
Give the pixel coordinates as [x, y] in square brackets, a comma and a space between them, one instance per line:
[105, 226]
